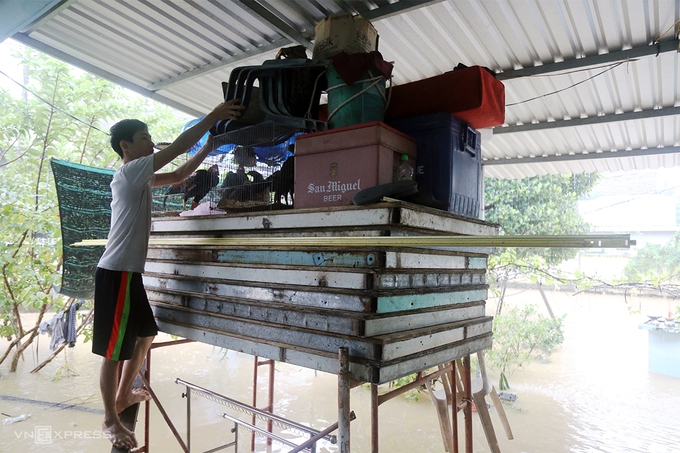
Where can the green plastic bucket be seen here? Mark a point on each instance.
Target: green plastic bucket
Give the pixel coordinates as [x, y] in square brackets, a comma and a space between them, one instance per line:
[361, 102]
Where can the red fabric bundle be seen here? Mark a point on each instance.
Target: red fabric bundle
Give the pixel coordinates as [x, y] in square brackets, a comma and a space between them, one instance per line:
[472, 95]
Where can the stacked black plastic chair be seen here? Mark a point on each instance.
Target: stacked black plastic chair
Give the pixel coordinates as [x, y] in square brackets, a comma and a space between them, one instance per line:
[287, 94]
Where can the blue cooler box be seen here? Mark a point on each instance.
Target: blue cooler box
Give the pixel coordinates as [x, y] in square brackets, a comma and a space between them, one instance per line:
[449, 160]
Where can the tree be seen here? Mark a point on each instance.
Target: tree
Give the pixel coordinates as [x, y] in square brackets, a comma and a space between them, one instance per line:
[521, 335]
[655, 263]
[52, 122]
[540, 205]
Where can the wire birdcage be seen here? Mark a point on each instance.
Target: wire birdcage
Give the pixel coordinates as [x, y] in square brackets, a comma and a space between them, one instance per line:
[256, 175]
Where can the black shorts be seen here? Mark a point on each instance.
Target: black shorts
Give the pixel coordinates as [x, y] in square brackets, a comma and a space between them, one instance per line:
[121, 313]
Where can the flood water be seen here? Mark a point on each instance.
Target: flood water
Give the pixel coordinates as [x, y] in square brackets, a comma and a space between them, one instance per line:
[594, 394]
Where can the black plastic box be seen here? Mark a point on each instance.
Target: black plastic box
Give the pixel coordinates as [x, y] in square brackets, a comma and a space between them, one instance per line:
[449, 160]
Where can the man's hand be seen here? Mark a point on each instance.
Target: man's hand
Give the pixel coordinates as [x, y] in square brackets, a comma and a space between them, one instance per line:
[228, 110]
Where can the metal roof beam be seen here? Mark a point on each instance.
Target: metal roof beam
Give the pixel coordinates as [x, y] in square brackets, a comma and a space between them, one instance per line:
[290, 34]
[215, 65]
[56, 53]
[279, 25]
[585, 156]
[609, 118]
[392, 9]
[620, 55]
[62, 5]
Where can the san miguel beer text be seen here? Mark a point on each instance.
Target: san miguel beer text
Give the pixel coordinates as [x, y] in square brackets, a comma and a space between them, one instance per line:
[334, 190]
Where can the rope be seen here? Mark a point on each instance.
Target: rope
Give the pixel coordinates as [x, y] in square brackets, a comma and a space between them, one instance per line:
[311, 101]
[375, 81]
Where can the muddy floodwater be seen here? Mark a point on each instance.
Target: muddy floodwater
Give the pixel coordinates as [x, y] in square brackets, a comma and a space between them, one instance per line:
[594, 394]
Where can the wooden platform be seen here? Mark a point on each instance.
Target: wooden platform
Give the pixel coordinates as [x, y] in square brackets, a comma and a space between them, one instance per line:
[397, 310]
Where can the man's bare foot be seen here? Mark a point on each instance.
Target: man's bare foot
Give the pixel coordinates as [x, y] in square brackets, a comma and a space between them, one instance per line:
[119, 435]
[136, 396]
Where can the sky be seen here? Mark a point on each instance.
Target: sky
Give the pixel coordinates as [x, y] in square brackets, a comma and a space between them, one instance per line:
[10, 66]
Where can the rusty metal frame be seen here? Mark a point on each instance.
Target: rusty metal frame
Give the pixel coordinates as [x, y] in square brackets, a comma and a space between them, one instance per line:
[445, 370]
[345, 415]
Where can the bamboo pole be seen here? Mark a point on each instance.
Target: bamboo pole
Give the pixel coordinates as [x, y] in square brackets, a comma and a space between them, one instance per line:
[564, 241]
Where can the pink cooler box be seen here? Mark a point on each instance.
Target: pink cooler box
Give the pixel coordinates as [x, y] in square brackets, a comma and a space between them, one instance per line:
[331, 166]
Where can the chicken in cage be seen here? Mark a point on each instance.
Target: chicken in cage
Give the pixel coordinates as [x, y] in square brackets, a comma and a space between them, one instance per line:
[249, 183]
[248, 170]
[239, 183]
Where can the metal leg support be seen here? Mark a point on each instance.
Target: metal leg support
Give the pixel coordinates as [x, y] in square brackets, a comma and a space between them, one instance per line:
[343, 401]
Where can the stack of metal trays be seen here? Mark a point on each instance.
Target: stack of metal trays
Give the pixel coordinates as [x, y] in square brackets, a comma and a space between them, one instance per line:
[398, 310]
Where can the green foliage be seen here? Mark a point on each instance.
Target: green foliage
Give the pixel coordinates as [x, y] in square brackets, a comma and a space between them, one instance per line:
[520, 335]
[655, 263]
[541, 205]
[32, 131]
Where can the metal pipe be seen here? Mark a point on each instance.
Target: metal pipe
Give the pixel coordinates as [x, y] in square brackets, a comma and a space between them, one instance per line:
[252, 437]
[236, 437]
[169, 343]
[188, 395]
[270, 399]
[561, 241]
[411, 385]
[343, 400]
[468, 408]
[147, 404]
[375, 439]
[250, 409]
[312, 440]
[259, 430]
[454, 408]
[164, 414]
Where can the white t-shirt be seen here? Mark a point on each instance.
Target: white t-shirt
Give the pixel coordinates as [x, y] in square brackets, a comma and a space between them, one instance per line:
[130, 217]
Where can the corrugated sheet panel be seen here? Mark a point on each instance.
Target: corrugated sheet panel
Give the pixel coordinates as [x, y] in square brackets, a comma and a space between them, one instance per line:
[183, 50]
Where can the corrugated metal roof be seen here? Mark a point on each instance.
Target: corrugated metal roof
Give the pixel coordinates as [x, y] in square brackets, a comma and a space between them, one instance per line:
[585, 88]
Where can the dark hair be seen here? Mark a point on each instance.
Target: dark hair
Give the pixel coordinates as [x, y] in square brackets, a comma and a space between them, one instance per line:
[125, 130]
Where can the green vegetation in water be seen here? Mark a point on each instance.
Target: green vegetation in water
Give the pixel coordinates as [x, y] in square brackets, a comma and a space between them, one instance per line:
[520, 336]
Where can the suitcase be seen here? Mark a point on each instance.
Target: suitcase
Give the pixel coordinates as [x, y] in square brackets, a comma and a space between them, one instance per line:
[472, 95]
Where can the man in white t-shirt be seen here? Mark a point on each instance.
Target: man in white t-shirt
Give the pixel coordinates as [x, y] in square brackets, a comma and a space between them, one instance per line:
[124, 326]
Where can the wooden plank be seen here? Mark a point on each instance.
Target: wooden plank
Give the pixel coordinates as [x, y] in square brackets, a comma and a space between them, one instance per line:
[402, 302]
[424, 261]
[321, 278]
[329, 321]
[476, 262]
[414, 345]
[390, 371]
[308, 358]
[314, 258]
[357, 301]
[338, 321]
[261, 331]
[387, 347]
[301, 258]
[443, 221]
[415, 280]
[361, 371]
[474, 330]
[408, 321]
[348, 216]
[423, 332]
